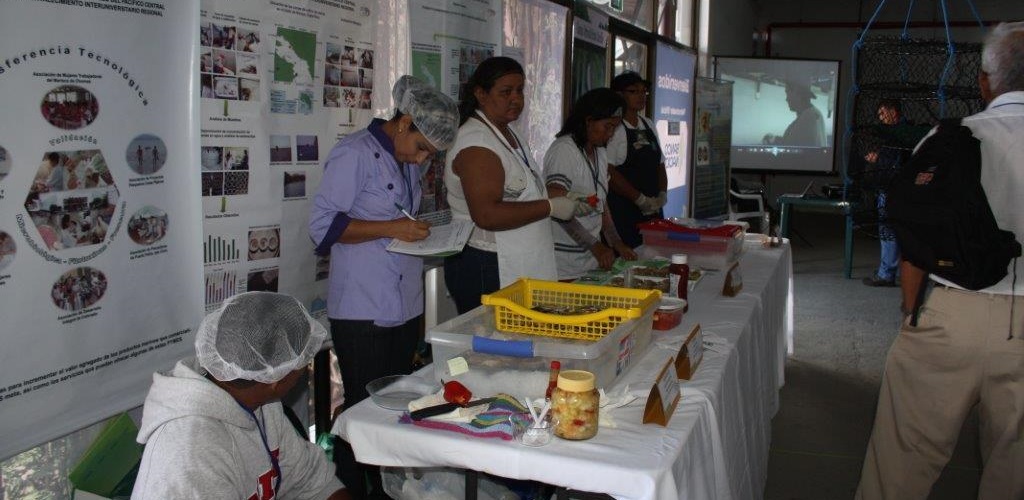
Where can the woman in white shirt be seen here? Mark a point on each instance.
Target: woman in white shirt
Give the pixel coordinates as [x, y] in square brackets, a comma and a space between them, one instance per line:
[493, 180]
[576, 166]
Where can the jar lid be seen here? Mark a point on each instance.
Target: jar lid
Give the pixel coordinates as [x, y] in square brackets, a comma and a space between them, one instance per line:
[576, 381]
[679, 258]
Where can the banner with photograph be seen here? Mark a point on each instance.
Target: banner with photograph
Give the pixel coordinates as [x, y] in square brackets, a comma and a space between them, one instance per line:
[711, 144]
[450, 38]
[99, 240]
[672, 87]
[281, 81]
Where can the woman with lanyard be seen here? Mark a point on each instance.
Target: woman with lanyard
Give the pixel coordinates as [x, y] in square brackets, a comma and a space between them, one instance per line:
[574, 166]
[492, 179]
[636, 165]
[369, 190]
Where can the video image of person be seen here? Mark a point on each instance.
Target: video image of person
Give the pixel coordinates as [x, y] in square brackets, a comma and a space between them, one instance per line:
[784, 112]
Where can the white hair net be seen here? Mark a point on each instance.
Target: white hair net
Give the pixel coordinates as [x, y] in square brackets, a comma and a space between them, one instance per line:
[435, 115]
[258, 336]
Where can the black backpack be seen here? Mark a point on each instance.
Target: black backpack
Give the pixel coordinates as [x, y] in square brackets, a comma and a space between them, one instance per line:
[941, 216]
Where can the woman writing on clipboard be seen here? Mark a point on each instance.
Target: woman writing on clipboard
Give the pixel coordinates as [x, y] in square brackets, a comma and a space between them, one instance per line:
[493, 179]
[375, 297]
[636, 165]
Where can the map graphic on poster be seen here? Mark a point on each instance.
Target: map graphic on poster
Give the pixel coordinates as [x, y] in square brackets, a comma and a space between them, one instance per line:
[295, 56]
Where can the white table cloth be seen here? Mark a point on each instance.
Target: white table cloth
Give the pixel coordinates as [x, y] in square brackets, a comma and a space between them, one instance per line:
[715, 445]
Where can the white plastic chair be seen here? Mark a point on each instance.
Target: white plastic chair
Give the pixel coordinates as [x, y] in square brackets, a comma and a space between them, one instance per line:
[761, 215]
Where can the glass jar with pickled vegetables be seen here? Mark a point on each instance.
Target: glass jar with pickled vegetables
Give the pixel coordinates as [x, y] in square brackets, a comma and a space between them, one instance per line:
[574, 405]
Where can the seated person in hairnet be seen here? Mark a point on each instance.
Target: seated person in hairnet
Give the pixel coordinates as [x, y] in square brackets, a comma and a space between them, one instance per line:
[214, 427]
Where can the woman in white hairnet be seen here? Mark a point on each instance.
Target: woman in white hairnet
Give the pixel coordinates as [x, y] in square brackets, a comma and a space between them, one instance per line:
[369, 190]
[214, 426]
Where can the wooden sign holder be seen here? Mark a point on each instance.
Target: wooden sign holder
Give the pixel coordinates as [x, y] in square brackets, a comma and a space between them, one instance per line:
[690, 354]
[664, 397]
[733, 281]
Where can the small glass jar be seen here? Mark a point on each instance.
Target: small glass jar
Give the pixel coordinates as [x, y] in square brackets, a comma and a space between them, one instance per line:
[575, 404]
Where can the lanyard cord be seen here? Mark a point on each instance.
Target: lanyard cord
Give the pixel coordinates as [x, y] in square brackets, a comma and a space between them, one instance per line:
[522, 151]
[593, 171]
[266, 446]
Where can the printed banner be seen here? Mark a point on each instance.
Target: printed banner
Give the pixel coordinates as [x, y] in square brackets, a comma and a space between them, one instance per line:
[712, 140]
[450, 38]
[673, 100]
[99, 241]
[282, 82]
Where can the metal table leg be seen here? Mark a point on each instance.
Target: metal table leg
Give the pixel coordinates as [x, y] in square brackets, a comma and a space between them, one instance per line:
[472, 483]
[848, 252]
[783, 218]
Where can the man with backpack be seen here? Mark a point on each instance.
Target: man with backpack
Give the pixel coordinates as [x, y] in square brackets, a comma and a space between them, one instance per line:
[962, 344]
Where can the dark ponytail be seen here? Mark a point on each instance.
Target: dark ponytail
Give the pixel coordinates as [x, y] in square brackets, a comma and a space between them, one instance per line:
[486, 74]
[596, 104]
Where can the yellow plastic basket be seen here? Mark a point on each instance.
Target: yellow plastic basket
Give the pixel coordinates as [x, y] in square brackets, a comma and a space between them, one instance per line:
[513, 308]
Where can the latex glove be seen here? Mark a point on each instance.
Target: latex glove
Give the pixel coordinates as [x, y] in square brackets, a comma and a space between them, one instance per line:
[562, 208]
[647, 204]
[586, 204]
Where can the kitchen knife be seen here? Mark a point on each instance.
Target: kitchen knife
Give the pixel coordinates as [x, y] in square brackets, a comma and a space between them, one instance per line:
[433, 411]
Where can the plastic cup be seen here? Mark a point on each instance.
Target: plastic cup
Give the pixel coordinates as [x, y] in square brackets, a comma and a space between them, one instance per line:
[528, 433]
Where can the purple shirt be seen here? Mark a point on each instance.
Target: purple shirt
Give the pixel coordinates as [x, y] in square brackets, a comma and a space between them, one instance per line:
[363, 181]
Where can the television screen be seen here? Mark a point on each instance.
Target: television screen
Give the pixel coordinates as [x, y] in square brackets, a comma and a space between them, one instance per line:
[784, 112]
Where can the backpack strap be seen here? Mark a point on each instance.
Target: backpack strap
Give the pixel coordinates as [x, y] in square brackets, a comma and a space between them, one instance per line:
[945, 125]
[951, 123]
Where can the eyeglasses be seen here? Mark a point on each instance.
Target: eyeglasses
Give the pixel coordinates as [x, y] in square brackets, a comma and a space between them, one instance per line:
[637, 91]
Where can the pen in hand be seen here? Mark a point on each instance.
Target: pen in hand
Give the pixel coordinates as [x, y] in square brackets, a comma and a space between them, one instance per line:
[404, 212]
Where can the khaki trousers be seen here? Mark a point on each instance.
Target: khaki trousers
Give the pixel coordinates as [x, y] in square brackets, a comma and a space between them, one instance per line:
[956, 357]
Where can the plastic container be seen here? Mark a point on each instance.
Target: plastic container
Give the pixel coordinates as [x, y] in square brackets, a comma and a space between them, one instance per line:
[575, 405]
[669, 314]
[707, 248]
[520, 364]
[515, 308]
[528, 433]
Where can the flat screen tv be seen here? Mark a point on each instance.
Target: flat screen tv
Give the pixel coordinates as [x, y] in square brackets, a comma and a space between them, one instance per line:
[784, 113]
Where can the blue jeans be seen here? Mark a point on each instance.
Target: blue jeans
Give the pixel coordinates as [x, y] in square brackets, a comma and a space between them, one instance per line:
[889, 266]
